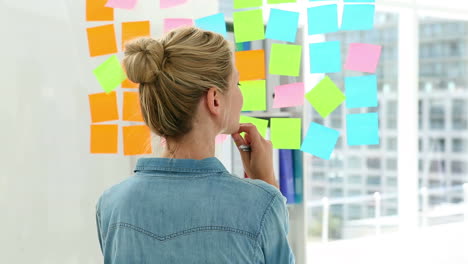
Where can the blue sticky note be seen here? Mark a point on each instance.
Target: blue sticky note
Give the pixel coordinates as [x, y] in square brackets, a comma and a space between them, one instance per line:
[325, 57]
[362, 129]
[320, 141]
[282, 25]
[361, 91]
[322, 19]
[215, 23]
[358, 17]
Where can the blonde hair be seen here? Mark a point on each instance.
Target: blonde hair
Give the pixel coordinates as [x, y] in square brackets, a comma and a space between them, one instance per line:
[174, 72]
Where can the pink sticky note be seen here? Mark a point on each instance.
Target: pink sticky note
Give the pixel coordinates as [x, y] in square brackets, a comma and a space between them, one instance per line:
[171, 3]
[172, 23]
[363, 57]
[289, 95]
[125, 4]
[221, 138]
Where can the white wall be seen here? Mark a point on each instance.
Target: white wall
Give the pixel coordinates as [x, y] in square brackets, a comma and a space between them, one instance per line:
[49, 182]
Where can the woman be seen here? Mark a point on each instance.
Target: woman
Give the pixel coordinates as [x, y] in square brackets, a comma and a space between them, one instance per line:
[185, 207]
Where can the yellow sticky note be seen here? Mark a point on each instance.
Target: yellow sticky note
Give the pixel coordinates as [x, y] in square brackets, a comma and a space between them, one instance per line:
[103, 107]
[254, 93]
[137, 140]
[131, 30]
[96, 10]
[131, 107]
[261, 124]
[101, 40]
[286, 133]
[104, 139]
[250, 64]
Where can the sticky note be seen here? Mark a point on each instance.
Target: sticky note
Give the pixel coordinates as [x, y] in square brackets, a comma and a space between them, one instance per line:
[361, 91]
[96, 10]
[238, 4]
[124, 4]
[289, 95]
[173, 23]
[358, 17]
[131, 30]
[322, 19]
[129, 84]
[261, 124]
[101, 40]
[282, 25]
[250, 64]
[285, 59]
[254, 93]
[171, 3]
[363, 57]
[362, 129]
[104, 139]
[281, 1]
[325, 97]
[325, 57]
[103, 107]
[320, 141]
[286, 133]
[215, 23]
[137, 140]
[110, 74]
[221, 138]
[248, 25]
[131, 110]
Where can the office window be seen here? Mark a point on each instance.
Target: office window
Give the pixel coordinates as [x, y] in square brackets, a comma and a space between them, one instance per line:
[391, 181]
[392, 144]
[391, 164]
[373, 163]
[458, 167]
[355, 179]
[437, 145]
[437, 114]
[374, 180]
[459, 145]
[459, 114]
[437, 166]
[354, 162]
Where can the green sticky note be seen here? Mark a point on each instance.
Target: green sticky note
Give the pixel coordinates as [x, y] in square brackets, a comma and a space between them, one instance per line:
[285, 59]
[110, 74]
[325, 97]
[247, 3]
[286, 133]
[248, 25]
[280, 1]
[254, 93]
[261, 124]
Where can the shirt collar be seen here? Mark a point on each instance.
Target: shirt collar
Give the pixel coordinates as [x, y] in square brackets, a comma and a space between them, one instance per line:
[210, 165]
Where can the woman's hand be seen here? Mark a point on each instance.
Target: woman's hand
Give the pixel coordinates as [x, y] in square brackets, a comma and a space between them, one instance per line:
[258, 163]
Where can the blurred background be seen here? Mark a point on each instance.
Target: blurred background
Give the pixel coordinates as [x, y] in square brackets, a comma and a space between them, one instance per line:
[403, 200]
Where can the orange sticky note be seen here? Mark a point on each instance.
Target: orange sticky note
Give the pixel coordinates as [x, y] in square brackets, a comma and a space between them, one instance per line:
[129, 84]
[131, 30]
[104, 139]
[101, 40]
[250, 64]
[137, 140]
[97, 11]
[131, 107]
[103, 107]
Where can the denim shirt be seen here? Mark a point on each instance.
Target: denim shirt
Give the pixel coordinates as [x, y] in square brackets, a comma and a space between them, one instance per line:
[192, 211]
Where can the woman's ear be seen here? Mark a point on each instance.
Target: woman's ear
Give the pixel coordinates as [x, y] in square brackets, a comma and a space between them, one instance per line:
[213, 101]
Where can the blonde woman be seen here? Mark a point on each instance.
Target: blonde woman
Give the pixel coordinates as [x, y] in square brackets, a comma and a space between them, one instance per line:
[185, 207]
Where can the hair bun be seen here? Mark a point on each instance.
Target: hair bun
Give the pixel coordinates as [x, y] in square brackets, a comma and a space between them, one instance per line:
[143, 59]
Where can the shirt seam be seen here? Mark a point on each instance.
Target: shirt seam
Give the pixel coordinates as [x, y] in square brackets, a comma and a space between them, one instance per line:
[180, 233]
[262, 224]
